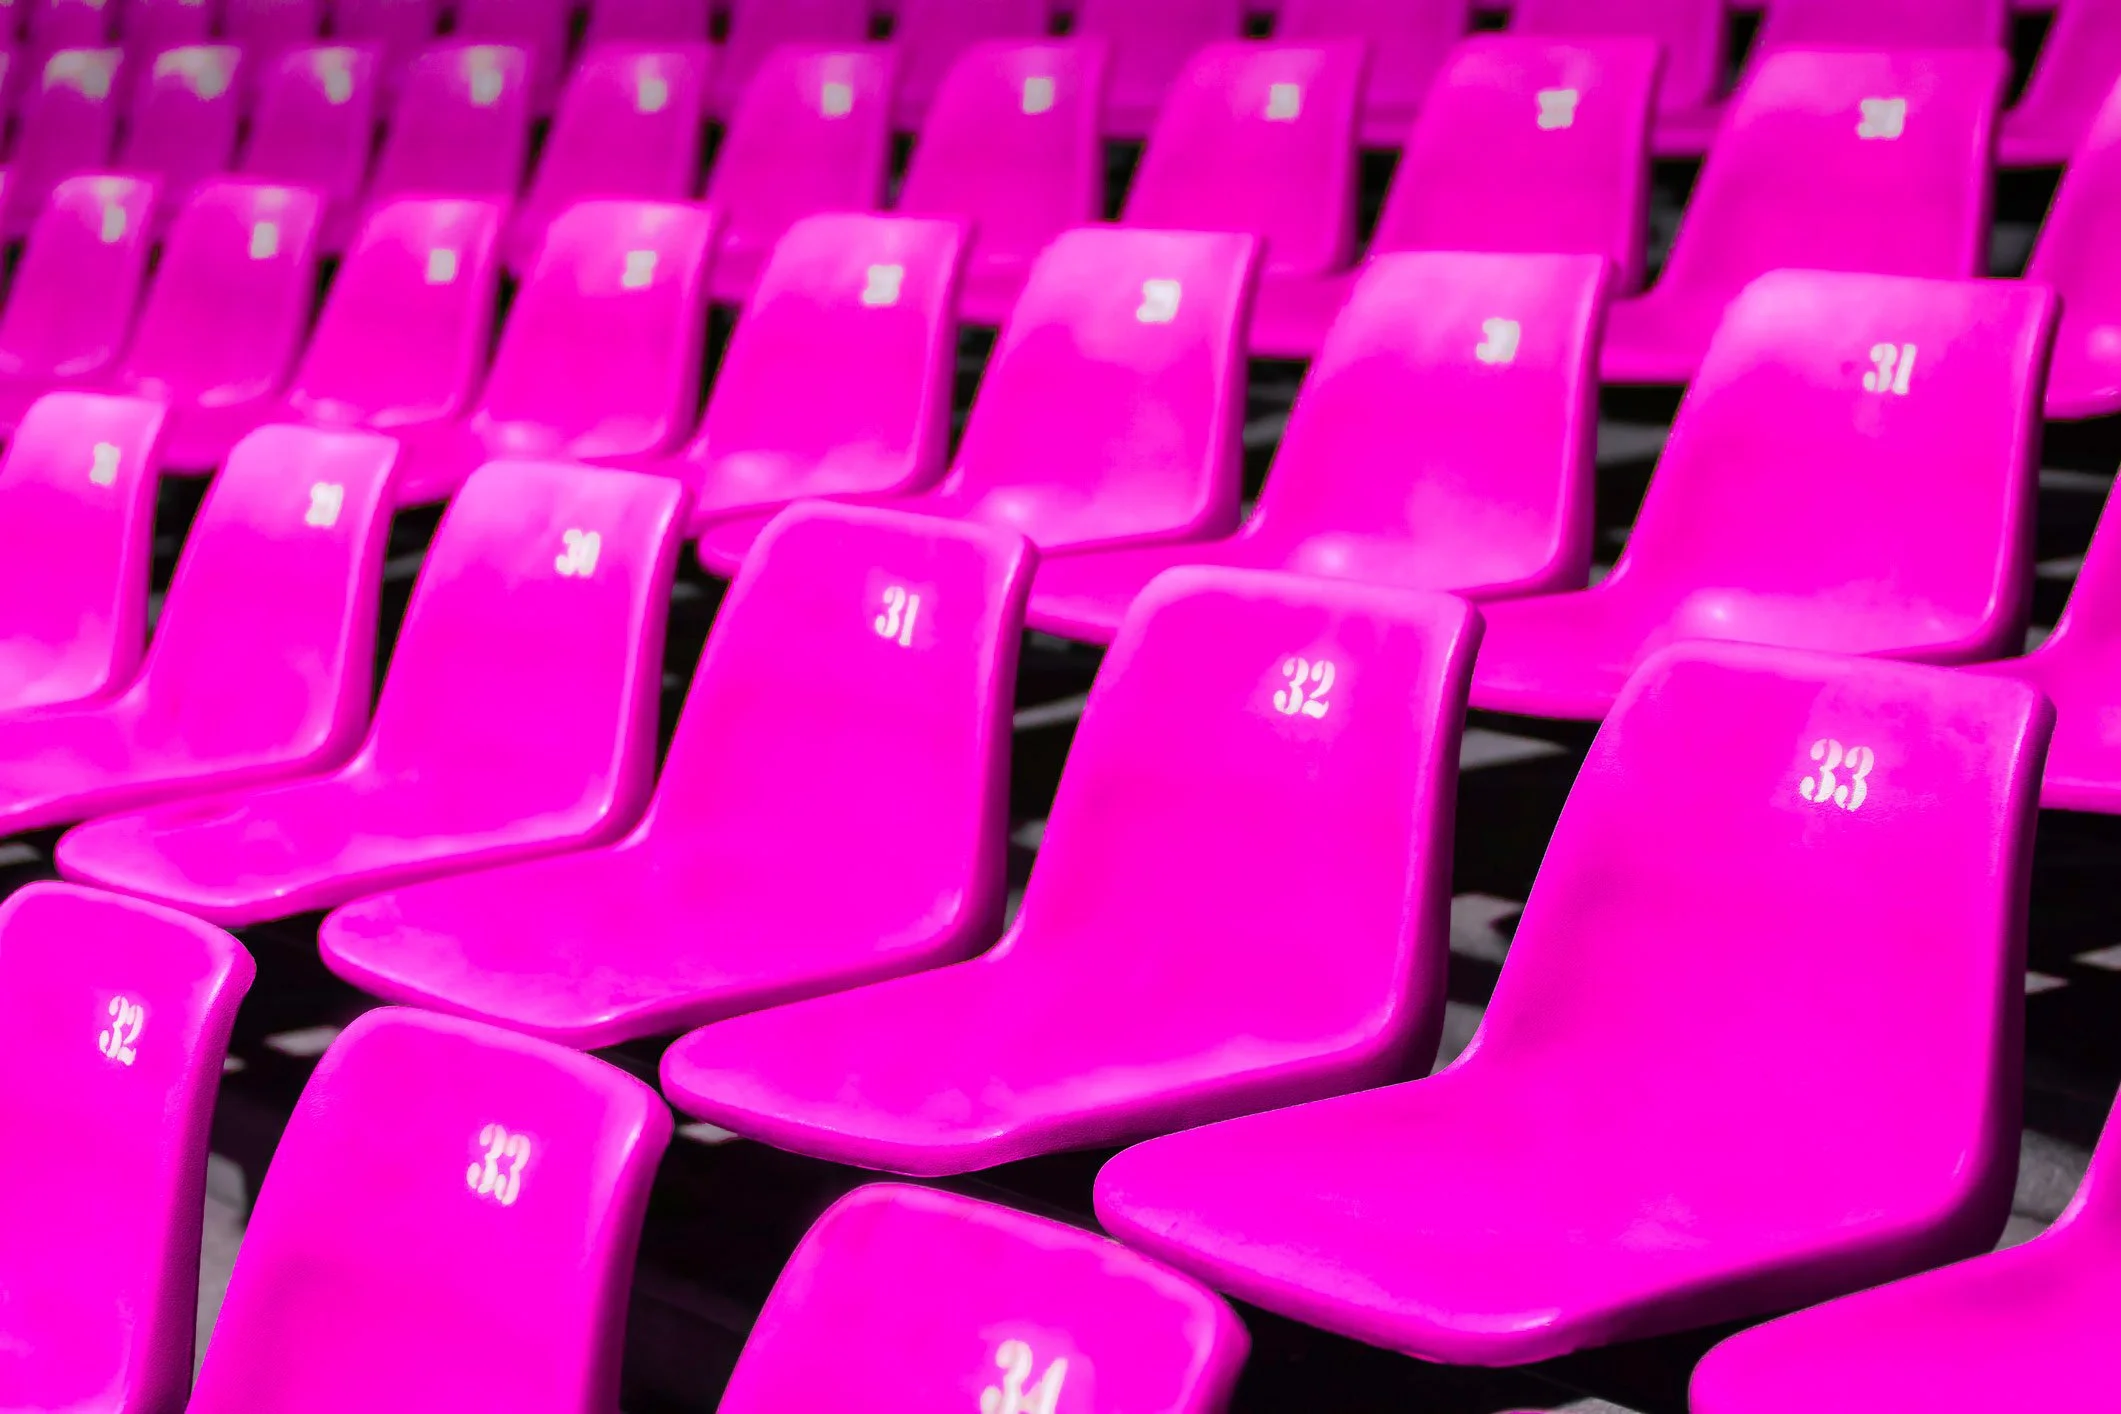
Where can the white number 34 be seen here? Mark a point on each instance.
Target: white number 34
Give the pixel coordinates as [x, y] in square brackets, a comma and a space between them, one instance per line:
[1827, 785]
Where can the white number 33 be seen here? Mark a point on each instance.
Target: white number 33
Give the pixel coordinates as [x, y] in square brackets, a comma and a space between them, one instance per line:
[500, 1175]
[1831, 757]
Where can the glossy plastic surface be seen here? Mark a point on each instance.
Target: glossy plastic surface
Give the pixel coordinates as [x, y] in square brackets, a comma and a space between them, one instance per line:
[434, 1170]
[70, 307]
[1300, 735]
[758, 27]
[813, 134]
[2075, 73]
[68, 24]
[994, 1302]
[1150, 44]
[832, 811]
[1692, 35]
[648, 22]
[2071, 256]
[461, 127]
[1896, 151]
[518, 717]
[397, 29]
[539, 28]
[1442, 440]
[1853, 471]
[269, 28]
[1406, 40]
[116, 1017]
[315, 127]
[68, 125]
[184, 120]
[932, 35]
[1612, 1158]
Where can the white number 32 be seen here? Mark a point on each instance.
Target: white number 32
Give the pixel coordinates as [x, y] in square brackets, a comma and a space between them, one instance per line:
[1309, 683]
[119, 1041]
[1831, 757]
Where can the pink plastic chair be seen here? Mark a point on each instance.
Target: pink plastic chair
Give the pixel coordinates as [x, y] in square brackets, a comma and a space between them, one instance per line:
[1851, 805]
[402, 342]
[77, 517]
[535, 634]
[397, 29]
[1907, 409]
[1260, 138]
[2077, 68]
[1011, 148]
[185, 117]
[315, 127]
[538, 27]
[813, 134]
[68, 24]
[2071, 257]
[262, 659]
[268, 28]
[224, 321]
[648, 22]
[998, 1310]
[1443, 440]
[2023, 1328]
[71, 307]
[624, 278]
[68, 126]
[1693, 35]
[151, 26]
[787, 853]
[462, 126]
[631, 124]
[116, 1017]
[1150, 45]
[1897, 151]
[1524, 145]
[441, 1173]
[855, 312]
[1407, 45]
[758, 27]
[1136, 993]
[932, 35]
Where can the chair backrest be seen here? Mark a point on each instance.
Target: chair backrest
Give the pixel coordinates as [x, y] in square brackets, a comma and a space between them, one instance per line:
[1694, 36]
[540, 28]
[1894, 148]
[1259, 138]
[812, 134]
[74, 295]
[185, 117]
[628, 279]
[69, 24]
[1853, 464]
[2071, 255]
[1407, 42]
[231, 299]
[758, 27]
[265, 649]
[68, 126]
[266, 27]
[462, 125]
[1151, 44]
[1825, 804]
[114, 1022]
[437, 1169]
[398, 29]
[648, 22]
[1116, 390]
[152, 26]
[316, 119]
[1531, 145]
[1301, 734]
[1011, 145]
[534, 634]
[77, 517]
[403, 339]
[2069, 84]
[999, 1310]
[1883, 24]
[891, 722]
[932, 35]
[630, 124]
[1448, 423]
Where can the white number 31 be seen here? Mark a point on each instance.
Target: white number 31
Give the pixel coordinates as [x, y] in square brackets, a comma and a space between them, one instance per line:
[1831, 757]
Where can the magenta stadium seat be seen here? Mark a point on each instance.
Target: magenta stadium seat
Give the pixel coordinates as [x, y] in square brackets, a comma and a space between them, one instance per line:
[1407, 43]
[397, 29]
[263, 659]
[758, 27]
[68, 126]
[538, 27]
[2071, 257]
[731, 895]
[932, 35]
[1150, 44]
[1909, 406]
[1011, 148]
[631, 124]
[402, 343]
[268, 28]
[1260, 138]
[432, 1167]
[1021, 1309]
[1443, 440]
[315, 126]
[185, 117]
[1896, 147]
[151, 26]
[77, 514]
[2025, 1328]
[648, 22]
[68, 24]
[1880, 807]
[117, 1014]
[1231, 702]
[529, 556]
[462, 126]
[225, 318]
[1693, 36]
[837, 380]
[626, 278]
[812, 134]
[1526, 145]
[71, 308]
[2076, 71]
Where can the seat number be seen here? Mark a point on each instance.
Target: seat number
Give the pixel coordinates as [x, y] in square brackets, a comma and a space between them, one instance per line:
[326, 500]
[1557, 108]
[1308, 684]
[499, 1175]
[118, 1042]
[902, 608]
[1285, 102]
[1882, 119]
[1159, 302]
[103, 463]
[1828, 783]
[1892, 366]
[882, 286]
[579, 559]
[1500, 341]
[1038, 95]
[1013, 1397]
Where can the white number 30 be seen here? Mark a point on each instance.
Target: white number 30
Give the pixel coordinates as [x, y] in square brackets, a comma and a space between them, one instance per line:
[500, 1175]
[1831, 756]
[1309, 683]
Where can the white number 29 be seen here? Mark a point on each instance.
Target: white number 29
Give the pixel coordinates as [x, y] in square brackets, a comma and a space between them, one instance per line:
[1309, 683]
[1831, 757]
